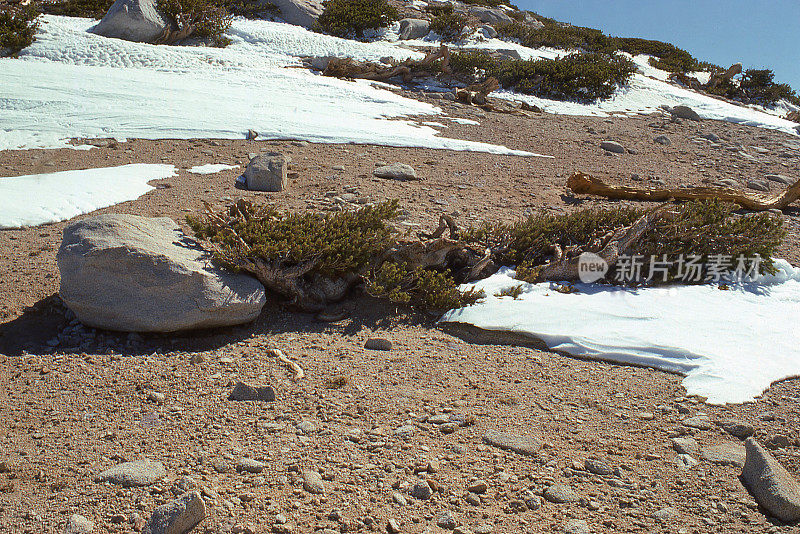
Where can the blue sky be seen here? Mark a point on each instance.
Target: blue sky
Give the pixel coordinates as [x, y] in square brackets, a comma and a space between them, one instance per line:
[758, 33]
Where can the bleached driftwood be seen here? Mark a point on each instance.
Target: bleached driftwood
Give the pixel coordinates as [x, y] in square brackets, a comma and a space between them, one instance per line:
[581, 183]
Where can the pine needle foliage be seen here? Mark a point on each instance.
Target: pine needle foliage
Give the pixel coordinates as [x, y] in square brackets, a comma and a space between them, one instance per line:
[448, 25]
[93, 9]
[427, 289]
[351, 18]
[583, 77]
[17, 29]
[206, 18]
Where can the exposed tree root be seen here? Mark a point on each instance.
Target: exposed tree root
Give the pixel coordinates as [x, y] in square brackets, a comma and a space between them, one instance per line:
[581, 183]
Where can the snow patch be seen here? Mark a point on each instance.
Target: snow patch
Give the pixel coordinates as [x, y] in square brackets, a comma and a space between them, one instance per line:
[211, 168]
[36, 199]
[714, 338]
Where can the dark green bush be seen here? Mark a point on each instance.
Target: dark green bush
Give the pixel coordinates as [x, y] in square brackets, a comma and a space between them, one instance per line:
[555, 35]
[93, 9]
[756, 87]
[697, 228]
[200, 18]
[666, 56]
[17, 29]
[428, 289]
[351, 18]
[440, 9]
[584, 77]
[448, 25]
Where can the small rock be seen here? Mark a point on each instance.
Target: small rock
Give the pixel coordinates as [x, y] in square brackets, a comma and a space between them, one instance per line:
[177, 517]
[399, 499]
[137, 473]
[378, 343]
[598, 467]
[724, 454]
[156, 396]
[780, 178]
[519, 444]
[685, 445]
[698, 422]
[393, 527]
[576, 526]
[266, 172]
[685, 461]
[247, 465]
[312, 482]
[306, 427]
[737, 429]
[612, 146]
[662, 140]
[772, 486]
[684, 112]
[479, 486]
[758, 185]
[421, 490]
[446, 520]
[779, 441]
[78, 524]
[246, 392]
[396, 171]
[666, 514]
[561, 493]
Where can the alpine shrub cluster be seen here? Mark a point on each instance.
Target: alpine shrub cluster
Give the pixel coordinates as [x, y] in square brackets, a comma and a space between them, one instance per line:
[583, 77]
[351, 18]
[448, 25]
[757, 86]
[17, 29]
[199, 18]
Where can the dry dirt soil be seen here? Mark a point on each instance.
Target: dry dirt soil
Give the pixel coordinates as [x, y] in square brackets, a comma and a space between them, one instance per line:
[370, 421]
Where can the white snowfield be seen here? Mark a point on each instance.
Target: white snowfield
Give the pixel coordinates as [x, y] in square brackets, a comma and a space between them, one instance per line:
[715, 338]
[45, 198]
[211, 168]
[71, 83]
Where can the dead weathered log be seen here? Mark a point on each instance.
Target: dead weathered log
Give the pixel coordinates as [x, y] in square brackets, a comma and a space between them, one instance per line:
[581, 184]
[565, 267]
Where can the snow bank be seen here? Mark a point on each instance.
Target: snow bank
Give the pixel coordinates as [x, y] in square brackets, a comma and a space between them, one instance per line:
[715, 338]
[45, 198]
[648, 90]
[71, 83]
[211, 168]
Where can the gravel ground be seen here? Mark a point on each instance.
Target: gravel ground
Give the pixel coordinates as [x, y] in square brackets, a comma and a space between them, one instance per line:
[378, 426]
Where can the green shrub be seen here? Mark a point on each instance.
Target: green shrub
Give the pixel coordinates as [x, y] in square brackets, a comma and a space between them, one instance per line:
[347, 18]
[93, 9]
[200, 18]
[487, 3]
[448, 25]
[582, 77]
[666, 56]
[428, 289]
[555, 35]
[17, 29]
[250, 9]
[697, 228]
[756, 87]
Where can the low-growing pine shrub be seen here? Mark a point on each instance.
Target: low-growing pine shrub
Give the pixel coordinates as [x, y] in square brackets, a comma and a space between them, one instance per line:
[757, 87]
[428, 289]
[351, 18]
[582, 77]
[200, 18]
[448, 25]
[17, 29]
[93, 9]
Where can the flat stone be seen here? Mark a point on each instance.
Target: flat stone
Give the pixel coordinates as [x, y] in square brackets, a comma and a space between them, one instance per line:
[576, 526]
[177, 517]
[685, 445]
[246, 392]
[378, 343]
[561, 493]
[758, 185]
[781, 179]
[312, 482]
[662, 140]
[396, 171]
[77, 524]
[666, 514]
[598, 467]
[698, 422]
[248, 465]
[136, 473]
[612, 146]
[685, 461]
[519, 444]
[772, 485]
[684, 112]
[724, 454]
[737, 429]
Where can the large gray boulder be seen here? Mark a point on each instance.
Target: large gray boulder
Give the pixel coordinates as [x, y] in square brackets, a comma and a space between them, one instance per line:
[139, 274]
[770, 483]
[133, 20]
[490, 15]
[414, 28]
[266, 172]
[299, 12]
